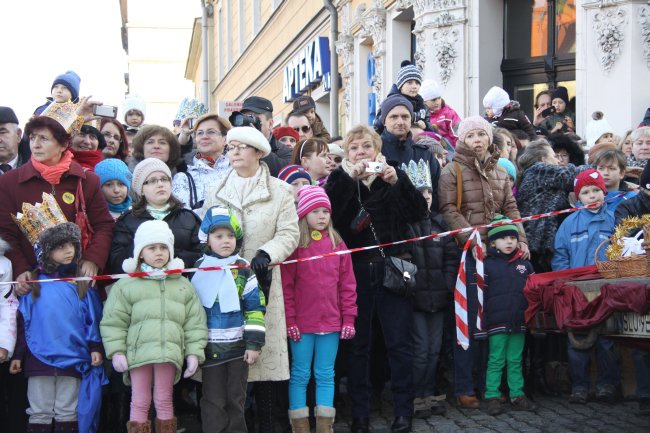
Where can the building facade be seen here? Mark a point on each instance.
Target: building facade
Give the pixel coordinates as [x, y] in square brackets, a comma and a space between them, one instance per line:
[598, 49]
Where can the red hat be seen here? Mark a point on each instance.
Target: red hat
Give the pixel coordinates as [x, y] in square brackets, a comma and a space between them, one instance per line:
[283, 131]
[589, 177]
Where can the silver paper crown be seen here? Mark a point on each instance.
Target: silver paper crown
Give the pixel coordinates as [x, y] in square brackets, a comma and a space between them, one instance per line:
[419, 173]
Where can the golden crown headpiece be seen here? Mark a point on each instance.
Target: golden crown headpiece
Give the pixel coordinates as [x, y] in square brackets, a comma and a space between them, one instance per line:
[66, 115]
[38, 217]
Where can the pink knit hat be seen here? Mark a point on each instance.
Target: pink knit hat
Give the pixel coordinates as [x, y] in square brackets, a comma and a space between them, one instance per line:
[471, 123]
[312, 197]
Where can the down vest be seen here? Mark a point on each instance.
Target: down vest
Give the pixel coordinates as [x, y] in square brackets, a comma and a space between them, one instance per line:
[154, 321]
[486, 192]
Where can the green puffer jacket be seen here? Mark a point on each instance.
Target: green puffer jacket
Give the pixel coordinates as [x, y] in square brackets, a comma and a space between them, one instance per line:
[154, 321]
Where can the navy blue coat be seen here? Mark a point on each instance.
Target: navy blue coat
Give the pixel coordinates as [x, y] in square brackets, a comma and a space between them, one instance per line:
[504, 302]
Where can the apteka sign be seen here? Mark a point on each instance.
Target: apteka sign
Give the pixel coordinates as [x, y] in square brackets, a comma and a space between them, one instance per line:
[308, 68]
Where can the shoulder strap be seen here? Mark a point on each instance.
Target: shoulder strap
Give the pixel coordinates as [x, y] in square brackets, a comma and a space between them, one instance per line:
[192, 185]
[459, 185]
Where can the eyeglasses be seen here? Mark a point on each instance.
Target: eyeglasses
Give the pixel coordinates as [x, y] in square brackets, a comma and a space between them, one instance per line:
[157, 180]
[107, 135]
[304, 128]
[210, 133]
[240, 147]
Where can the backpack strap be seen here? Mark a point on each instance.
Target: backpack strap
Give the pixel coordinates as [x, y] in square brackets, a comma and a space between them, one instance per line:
[459, 185]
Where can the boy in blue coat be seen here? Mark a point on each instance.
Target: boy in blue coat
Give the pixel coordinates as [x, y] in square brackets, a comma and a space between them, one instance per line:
[575, 244]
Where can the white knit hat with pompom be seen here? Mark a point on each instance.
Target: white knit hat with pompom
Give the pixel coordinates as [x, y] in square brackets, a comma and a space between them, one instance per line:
[149, 233]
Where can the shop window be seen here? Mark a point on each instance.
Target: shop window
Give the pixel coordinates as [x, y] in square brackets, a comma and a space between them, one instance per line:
[539, 48]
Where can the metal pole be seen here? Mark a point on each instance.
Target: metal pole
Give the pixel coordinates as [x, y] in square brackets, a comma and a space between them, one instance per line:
[334, 68]
[205, 88]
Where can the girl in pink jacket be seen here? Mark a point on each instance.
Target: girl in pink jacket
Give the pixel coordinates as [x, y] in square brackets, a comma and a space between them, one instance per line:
[320, 306]
[443, 118]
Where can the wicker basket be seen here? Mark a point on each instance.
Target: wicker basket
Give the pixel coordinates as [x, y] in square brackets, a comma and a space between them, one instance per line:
[608, 270]
[633, 266]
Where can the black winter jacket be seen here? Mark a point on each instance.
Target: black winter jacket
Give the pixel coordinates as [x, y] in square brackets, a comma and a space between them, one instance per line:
[391, 208]
[437, 262]
[513, 117]
[182, 222]
[398, 152]
[505, 303]
[279, 157]
[420, 111]
[636, 206]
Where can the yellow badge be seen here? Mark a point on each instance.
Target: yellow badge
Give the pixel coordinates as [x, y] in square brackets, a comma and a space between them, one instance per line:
[235, 273]
[68, 197]
[316, 235]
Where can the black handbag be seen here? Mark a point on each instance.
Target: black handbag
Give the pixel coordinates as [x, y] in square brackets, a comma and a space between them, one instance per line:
[399, 274]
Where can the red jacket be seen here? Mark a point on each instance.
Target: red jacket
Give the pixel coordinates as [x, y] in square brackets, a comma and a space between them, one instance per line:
[25, 185]
[320, 295]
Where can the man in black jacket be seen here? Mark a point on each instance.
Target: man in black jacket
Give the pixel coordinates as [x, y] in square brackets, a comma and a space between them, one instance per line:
[262, 108]
[14, 150]
[397, 140]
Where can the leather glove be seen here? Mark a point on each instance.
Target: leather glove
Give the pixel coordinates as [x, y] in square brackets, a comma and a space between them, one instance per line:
[260, 265]
[192, 365]
[347, 332]
[119, 363]
[294, 333]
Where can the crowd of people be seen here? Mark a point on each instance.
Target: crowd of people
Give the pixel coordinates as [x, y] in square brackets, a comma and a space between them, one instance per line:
[239, 342]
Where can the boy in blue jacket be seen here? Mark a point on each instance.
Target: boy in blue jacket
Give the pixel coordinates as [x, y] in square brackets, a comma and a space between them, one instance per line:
[575, 244]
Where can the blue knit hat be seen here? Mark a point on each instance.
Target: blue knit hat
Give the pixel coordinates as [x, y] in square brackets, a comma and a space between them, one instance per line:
[293, 172]
[113, 169]
[70, 80]
[220, 217]
[408, 72]
[509, 167]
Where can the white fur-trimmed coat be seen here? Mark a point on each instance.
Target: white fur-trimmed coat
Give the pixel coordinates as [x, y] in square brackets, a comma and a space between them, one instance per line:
[8, 303]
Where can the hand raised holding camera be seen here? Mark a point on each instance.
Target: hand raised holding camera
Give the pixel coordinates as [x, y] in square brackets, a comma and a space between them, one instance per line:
[389, 174]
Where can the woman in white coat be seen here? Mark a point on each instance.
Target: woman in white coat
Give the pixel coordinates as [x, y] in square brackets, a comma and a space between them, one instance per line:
[266, 211]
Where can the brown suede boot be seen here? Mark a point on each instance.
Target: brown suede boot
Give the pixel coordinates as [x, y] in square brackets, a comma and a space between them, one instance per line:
[39, 428]
[324, 419]
[139, 427]
[166, 425]
[299, 419]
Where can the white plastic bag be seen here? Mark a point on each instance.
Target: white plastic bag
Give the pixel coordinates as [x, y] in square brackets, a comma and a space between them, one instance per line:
[633, 246]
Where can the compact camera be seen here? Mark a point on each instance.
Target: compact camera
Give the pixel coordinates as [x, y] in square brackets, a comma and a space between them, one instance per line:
[105, 111]
[375, 167]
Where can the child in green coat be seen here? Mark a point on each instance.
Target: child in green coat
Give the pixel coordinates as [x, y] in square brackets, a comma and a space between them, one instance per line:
[151, 324]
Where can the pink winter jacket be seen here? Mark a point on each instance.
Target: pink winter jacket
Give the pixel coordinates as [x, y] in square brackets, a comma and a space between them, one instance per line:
[320, 295]
[444, 121]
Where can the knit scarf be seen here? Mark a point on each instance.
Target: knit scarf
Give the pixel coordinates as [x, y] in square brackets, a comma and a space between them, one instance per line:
[208, 159]
[52, 173]
[159, 213]
[122, 207]
[88, 158]
[147, 268]
[348, 167]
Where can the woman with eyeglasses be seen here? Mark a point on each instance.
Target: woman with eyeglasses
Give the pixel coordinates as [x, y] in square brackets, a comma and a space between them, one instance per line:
[151, 185]
[209, 163]
[312, 155]
[117, 145]
[154, 141]
[265, 209]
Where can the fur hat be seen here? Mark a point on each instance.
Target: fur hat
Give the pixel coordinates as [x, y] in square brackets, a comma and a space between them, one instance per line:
[430, 90]
[149, 233]
[560, 141]
[561, 93]
[310, 198]
[144, 169]
[293, 172]
[407, 72]
[71, 80]
[471, 123]
[53, 237]
[596, 128]
[113, 169]
[589, 177]
[644, 180]
[134, 102]
[499, 232]
[496, 98]
[392, 102]
[250, 136]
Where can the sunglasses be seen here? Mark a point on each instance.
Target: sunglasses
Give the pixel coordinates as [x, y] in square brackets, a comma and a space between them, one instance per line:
[304, 129]
[336, 159]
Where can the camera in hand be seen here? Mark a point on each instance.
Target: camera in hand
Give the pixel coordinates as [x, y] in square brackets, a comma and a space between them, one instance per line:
[419, 115]
[105, 111]
[548, 111]
[239, 119]
[375, 167]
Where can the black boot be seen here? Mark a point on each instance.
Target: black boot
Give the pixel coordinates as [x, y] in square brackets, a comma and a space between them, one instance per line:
[264, 401]
[402, 424]
[360, 425]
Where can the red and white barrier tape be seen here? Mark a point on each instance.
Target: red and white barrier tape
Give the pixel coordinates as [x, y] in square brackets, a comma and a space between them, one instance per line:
[460, 291]
[321, 256]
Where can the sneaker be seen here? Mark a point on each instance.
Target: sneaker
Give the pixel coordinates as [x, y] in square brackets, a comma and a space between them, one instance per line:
[522, 403]
[607, 394]
[644, 406]
[578, 397]
[493, 406]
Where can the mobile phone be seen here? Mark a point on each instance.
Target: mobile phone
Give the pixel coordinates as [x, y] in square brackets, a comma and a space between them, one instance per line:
[548, 111]
[375, 167]
[105, 111]
[191, 122]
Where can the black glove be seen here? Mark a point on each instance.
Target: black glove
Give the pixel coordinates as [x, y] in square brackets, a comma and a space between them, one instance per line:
[260, 265]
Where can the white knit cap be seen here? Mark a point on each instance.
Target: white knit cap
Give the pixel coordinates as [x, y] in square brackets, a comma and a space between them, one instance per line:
[496, 98]
[335, 149]
[430, 90]
[134, 102]
[251, 136]
[596, 127]
[144, 169]
[149, 233]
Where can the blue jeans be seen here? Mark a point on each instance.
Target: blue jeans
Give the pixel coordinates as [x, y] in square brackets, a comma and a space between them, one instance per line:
[579, 360]
[475, 357]
[427, 339]
[642, 370]
[395, 315]
[322, 349]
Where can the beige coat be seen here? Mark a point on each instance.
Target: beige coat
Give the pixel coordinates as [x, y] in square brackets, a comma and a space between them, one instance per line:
[270, 223]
